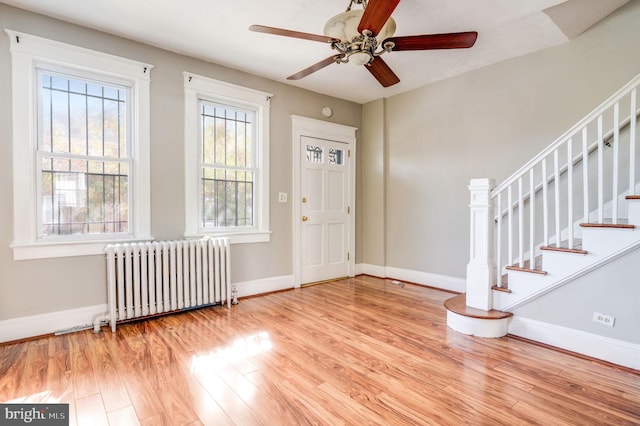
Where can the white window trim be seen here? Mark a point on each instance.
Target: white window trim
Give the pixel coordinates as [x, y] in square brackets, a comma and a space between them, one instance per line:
[27, 52]
[197, 87]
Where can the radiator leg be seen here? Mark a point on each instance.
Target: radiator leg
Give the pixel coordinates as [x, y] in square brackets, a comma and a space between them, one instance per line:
[234, 294]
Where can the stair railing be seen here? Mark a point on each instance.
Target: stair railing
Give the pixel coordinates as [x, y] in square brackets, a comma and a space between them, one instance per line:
[577, 178]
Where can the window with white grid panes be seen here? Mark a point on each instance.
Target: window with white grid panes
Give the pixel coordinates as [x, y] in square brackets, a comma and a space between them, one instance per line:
[226, 160]
[81, 148]
[83, 156]
[228, 165]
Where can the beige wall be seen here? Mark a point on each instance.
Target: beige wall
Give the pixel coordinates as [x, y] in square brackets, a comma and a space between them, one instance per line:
[371, 188]
[486, 123]
[41, 286]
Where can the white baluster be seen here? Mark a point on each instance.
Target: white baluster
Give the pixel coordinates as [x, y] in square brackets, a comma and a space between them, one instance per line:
[585, 174]
[545, 204]
[520, 225]
[616, 144]
[570, 193]
[532, 218]
[509, 226]
[499, 241]
[556, 179]
[600, 172]
[632, 145]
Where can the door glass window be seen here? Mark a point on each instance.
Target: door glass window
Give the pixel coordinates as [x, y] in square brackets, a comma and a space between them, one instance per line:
[336, 156]
[314, 154]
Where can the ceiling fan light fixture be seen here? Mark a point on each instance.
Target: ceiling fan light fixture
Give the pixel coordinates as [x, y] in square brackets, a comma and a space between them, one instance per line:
[360, 58]
[344, 26]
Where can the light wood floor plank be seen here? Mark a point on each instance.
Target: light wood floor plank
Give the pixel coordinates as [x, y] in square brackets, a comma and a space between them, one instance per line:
[125, 416]
[356, 351]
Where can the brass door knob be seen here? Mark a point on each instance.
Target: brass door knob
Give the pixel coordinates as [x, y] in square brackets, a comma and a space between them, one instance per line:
[304, 199]
[304, 218]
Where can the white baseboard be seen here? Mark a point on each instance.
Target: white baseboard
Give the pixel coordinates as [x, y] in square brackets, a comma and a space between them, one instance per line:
[443, 282]
[616, 351]
[374, 270]
[37, 325]
[264, 285]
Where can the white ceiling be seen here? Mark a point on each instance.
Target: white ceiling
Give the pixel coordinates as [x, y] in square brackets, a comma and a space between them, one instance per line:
[217, 31]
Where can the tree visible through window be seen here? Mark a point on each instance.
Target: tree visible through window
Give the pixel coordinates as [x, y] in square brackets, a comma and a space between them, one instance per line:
[228, 165]
[83, 156]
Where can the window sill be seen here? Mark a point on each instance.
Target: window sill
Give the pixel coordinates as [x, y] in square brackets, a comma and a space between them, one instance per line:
[52, 249]
[238, 237]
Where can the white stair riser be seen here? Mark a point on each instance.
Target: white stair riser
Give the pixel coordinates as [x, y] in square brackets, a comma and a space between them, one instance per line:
[604, 241]
[559, 264]
[634, 212]
[523, 284]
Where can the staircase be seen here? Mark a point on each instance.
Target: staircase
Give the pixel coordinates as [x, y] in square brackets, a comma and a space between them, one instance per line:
[570, 210]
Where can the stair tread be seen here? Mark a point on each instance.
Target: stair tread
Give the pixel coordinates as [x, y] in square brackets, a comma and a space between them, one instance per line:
[458, 304]
[564, 247]
[608, 223]
[526, 267]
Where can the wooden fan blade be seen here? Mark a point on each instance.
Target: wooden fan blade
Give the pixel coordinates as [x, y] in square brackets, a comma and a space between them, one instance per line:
[434, 41]
[315, 67]
[290, 33]
[376, 15]
[382, 72]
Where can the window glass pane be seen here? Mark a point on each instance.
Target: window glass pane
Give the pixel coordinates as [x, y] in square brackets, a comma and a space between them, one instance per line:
[59, 83]
[78, 195]
[227, 178]
[60, 121]
[78, 201]
[111, 131]
[110, 93]
[79, 87]
[94, 89]
[227, 198]
[45, 116]
[78, 123]
[336, 156]
[314, 154]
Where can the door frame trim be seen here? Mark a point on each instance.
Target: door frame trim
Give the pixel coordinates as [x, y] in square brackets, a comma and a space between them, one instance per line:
[304, 126]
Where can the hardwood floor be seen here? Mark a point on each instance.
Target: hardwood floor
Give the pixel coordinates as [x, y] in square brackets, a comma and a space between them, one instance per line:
[357, 352]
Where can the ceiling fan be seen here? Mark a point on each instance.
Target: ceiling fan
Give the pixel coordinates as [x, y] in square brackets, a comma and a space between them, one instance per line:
[354, 34]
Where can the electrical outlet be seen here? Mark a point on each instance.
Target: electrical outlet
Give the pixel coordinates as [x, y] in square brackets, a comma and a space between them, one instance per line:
[282, 197]
[604, 319]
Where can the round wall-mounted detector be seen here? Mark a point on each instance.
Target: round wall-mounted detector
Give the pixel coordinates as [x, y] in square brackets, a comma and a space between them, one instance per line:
[327, 112]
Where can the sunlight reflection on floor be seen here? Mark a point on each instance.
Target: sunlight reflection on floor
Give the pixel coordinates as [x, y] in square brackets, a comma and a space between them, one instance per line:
[240, 349]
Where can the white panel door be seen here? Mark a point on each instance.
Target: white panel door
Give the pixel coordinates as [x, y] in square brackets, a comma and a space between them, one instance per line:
[324, 209]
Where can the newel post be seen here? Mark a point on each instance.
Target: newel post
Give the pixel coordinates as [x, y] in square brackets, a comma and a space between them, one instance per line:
[481, 269]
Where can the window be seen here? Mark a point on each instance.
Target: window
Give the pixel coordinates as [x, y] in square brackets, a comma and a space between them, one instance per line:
[227, 166]
[83, 156]
[81, 149]
[226, 160]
